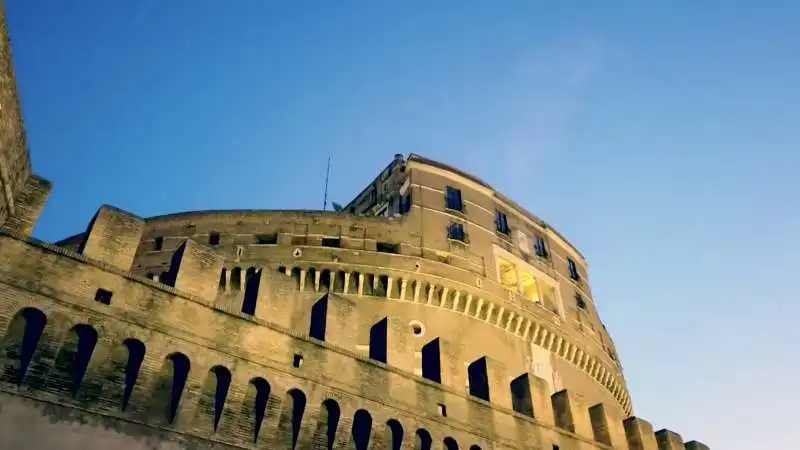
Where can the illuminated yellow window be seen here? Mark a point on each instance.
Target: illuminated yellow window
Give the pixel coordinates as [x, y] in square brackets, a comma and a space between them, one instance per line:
[529, 287]
[548, 295]
[508, 274]
[521, 279]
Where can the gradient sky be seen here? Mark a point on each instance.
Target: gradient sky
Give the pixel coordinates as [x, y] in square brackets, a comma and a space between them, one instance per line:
[660, 137]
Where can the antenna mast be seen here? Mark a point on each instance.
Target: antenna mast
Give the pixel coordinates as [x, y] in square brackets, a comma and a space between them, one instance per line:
[327, 176]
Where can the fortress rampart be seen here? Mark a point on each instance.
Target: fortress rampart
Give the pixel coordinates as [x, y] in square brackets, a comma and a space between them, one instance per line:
[377, 258]
[429, 312]
[125, 359]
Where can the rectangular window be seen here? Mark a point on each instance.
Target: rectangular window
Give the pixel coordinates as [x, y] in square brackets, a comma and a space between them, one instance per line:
[373, 196]
[385, 247]
[579, 301]
[431, 361]
[501, 221]
[297, 360]
[521, 400]
[267, 239]
[453, 199]
[158, 243]
[478, 376]
[405, 204]
[103, 296]
[573, 270]
[331, 242]
[213, 238]
[456, 232]
[540, 247]
[508, 274]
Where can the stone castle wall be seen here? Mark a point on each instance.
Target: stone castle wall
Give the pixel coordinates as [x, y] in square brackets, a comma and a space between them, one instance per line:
[21, 195]
[108, 358]
[470, 313]
[297, 329]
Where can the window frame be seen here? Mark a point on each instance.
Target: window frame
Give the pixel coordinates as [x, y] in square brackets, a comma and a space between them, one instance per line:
[460, 235]
[572, 266]
[453, 199]
[501, 223]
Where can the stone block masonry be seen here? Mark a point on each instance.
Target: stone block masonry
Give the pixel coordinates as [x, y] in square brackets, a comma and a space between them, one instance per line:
[433, 312]
[153, 367]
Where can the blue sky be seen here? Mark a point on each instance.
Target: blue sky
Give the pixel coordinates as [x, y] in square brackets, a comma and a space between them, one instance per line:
[660, 137]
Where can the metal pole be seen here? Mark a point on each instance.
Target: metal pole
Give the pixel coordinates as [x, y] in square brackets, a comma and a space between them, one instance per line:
[327, 176]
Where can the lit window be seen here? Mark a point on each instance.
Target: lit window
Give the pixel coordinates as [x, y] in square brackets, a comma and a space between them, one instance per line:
[508, 274]
[529, 287]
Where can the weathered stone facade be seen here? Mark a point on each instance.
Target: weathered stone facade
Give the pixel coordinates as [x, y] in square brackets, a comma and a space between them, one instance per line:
[431, 312]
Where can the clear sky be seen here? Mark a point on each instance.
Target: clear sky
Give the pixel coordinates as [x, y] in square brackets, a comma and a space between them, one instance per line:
[660, 137]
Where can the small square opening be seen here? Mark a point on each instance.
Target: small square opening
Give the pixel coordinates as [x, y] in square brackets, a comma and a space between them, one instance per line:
[213, 238]
[297, 361]
[267, 239]
[331, 242]
[442, 410]
[103, 296]
[385, 247]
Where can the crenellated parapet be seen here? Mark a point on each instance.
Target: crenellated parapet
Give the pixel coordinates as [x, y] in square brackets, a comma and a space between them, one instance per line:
[292, 364]
[375, 258]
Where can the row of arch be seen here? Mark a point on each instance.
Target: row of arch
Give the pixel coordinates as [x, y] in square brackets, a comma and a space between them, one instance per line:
[27, 358]
[380, 285]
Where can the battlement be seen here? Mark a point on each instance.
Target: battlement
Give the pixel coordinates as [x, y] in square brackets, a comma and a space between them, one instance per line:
[375, 258]
[182, 360]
